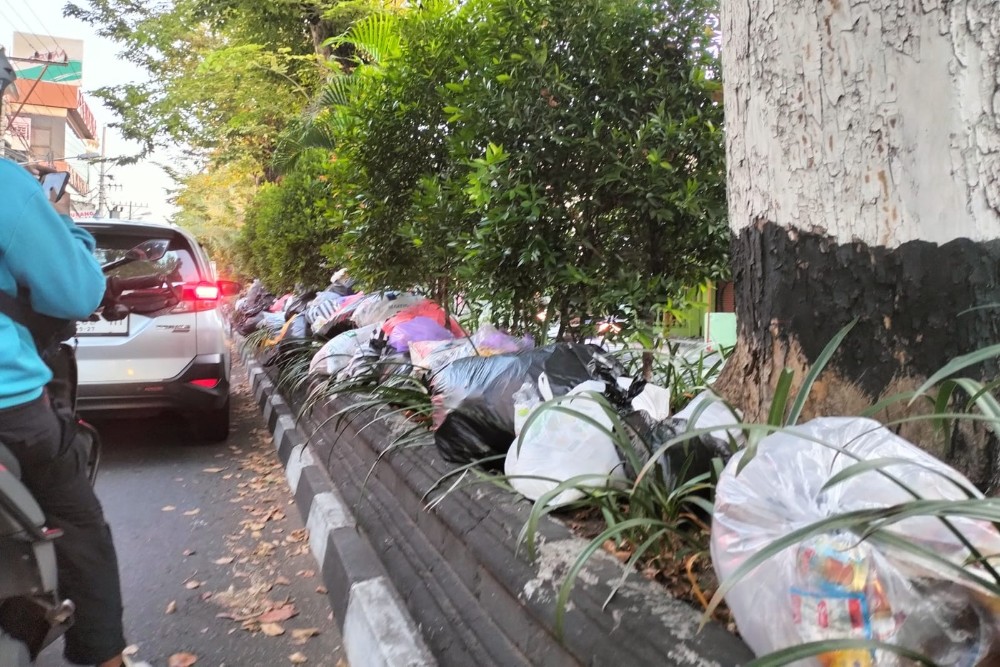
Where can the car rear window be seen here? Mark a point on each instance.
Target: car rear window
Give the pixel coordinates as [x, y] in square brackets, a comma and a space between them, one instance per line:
[178, 263]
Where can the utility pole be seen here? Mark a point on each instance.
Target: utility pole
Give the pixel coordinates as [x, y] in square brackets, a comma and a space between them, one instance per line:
[133, 208]
[102, 192]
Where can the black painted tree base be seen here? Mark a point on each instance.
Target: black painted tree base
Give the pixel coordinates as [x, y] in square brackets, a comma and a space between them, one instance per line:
[918, 306]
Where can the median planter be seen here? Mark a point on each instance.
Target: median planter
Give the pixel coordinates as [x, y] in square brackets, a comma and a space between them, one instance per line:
[457, 589]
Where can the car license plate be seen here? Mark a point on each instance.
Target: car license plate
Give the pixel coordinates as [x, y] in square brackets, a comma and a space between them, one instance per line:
[103, 327]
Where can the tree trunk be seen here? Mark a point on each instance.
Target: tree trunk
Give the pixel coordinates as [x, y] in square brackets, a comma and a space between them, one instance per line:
[863, 144]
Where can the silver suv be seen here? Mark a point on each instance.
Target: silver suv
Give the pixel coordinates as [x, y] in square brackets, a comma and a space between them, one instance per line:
[170, 353]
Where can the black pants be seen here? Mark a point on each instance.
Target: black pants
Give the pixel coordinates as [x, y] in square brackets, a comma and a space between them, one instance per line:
[88, 567]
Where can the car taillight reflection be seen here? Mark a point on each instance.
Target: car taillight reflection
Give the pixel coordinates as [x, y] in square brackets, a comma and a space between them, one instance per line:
[198, 297]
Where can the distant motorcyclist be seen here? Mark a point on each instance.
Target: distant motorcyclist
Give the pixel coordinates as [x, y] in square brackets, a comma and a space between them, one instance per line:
[47, 260]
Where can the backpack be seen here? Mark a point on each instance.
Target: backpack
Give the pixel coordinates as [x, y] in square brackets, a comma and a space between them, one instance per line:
[47, 332]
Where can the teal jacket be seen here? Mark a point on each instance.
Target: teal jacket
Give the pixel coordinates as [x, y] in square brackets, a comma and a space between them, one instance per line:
[51, 257]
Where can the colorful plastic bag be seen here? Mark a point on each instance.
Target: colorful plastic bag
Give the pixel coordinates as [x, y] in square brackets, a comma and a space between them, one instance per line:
[426, 309]
[341, 319]
[416, 330]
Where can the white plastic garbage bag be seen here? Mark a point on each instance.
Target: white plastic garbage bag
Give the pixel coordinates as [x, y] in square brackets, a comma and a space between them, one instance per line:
[337, 353]
[654, 401]
[836, 585]
[559, 446]
[716, 413]
[380, 307]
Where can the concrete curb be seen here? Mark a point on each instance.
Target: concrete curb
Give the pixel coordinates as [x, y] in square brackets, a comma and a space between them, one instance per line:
[398, 556]
[378, 630]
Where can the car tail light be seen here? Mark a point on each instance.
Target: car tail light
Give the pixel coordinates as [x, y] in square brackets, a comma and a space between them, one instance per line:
[207, 383]
[197, 297]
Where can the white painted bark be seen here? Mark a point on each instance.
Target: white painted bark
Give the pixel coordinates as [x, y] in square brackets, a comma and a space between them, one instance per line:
[876, 121]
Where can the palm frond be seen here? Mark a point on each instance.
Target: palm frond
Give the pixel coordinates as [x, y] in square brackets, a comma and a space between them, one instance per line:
[376, 37]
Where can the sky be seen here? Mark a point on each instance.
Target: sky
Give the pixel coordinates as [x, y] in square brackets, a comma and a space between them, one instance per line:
[144, 182]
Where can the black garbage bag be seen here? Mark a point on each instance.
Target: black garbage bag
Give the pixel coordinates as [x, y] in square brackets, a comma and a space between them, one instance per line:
[681, 462]
[299, 302]
[474, 397]
[247, 325]
[249, 311]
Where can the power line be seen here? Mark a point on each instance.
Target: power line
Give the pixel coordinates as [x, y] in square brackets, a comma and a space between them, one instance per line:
[23, 22]
[27, 26]
[7, 18]
[45, 30]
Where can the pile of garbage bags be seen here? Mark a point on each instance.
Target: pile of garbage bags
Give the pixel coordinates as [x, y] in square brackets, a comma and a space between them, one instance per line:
[543, 415]
[563, 419]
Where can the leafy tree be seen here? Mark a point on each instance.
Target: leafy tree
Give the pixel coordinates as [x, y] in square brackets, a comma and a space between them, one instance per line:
[225, 75]
[288, 226]
[534, 152]
[213, 204]
[599, 166]
[406, 212]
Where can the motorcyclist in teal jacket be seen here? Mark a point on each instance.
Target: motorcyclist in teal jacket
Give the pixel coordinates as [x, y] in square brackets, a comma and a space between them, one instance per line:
[44, 255]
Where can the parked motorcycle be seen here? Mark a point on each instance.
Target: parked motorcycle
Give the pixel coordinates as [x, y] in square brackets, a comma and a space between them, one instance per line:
[32, 615]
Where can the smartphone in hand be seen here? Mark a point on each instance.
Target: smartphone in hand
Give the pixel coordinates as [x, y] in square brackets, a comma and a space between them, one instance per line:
[57, 181]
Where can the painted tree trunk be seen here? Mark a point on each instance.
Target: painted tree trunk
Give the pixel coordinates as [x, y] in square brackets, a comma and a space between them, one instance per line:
[864, 181]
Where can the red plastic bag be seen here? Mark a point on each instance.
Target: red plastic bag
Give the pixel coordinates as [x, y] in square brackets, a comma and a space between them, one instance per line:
[429, 310]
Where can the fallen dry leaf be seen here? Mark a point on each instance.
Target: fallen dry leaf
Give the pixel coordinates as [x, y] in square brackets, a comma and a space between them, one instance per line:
[298, 535]
[278, 614]
[188, 552]
[131, 650]
[341, 662]
[234, 617]
[171, 606]
[182, 660]
[302, 635]
[192, 512]
[272, 629]
[167, 508]
[212, 470]
[282, 581]
[308, 574]
[224, 561]
[298, 659]
[193, 584]
[322, 590]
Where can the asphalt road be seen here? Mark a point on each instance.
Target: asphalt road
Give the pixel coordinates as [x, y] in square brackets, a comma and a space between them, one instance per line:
[213, 555]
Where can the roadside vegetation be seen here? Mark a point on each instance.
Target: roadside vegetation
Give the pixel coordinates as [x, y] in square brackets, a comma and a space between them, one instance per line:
[557, 161]
[545, 162]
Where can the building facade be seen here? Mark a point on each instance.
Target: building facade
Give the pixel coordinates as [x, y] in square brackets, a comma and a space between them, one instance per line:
[45, 115]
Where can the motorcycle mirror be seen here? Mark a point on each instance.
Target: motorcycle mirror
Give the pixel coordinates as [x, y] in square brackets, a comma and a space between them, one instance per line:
[229, 288]
[151, 251]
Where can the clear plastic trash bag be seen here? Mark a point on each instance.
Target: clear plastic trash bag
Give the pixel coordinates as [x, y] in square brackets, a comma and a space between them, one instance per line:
[836, 585]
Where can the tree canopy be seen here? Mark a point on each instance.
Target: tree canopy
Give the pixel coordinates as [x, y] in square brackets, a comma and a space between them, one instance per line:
[528, 154]
[531, 152]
